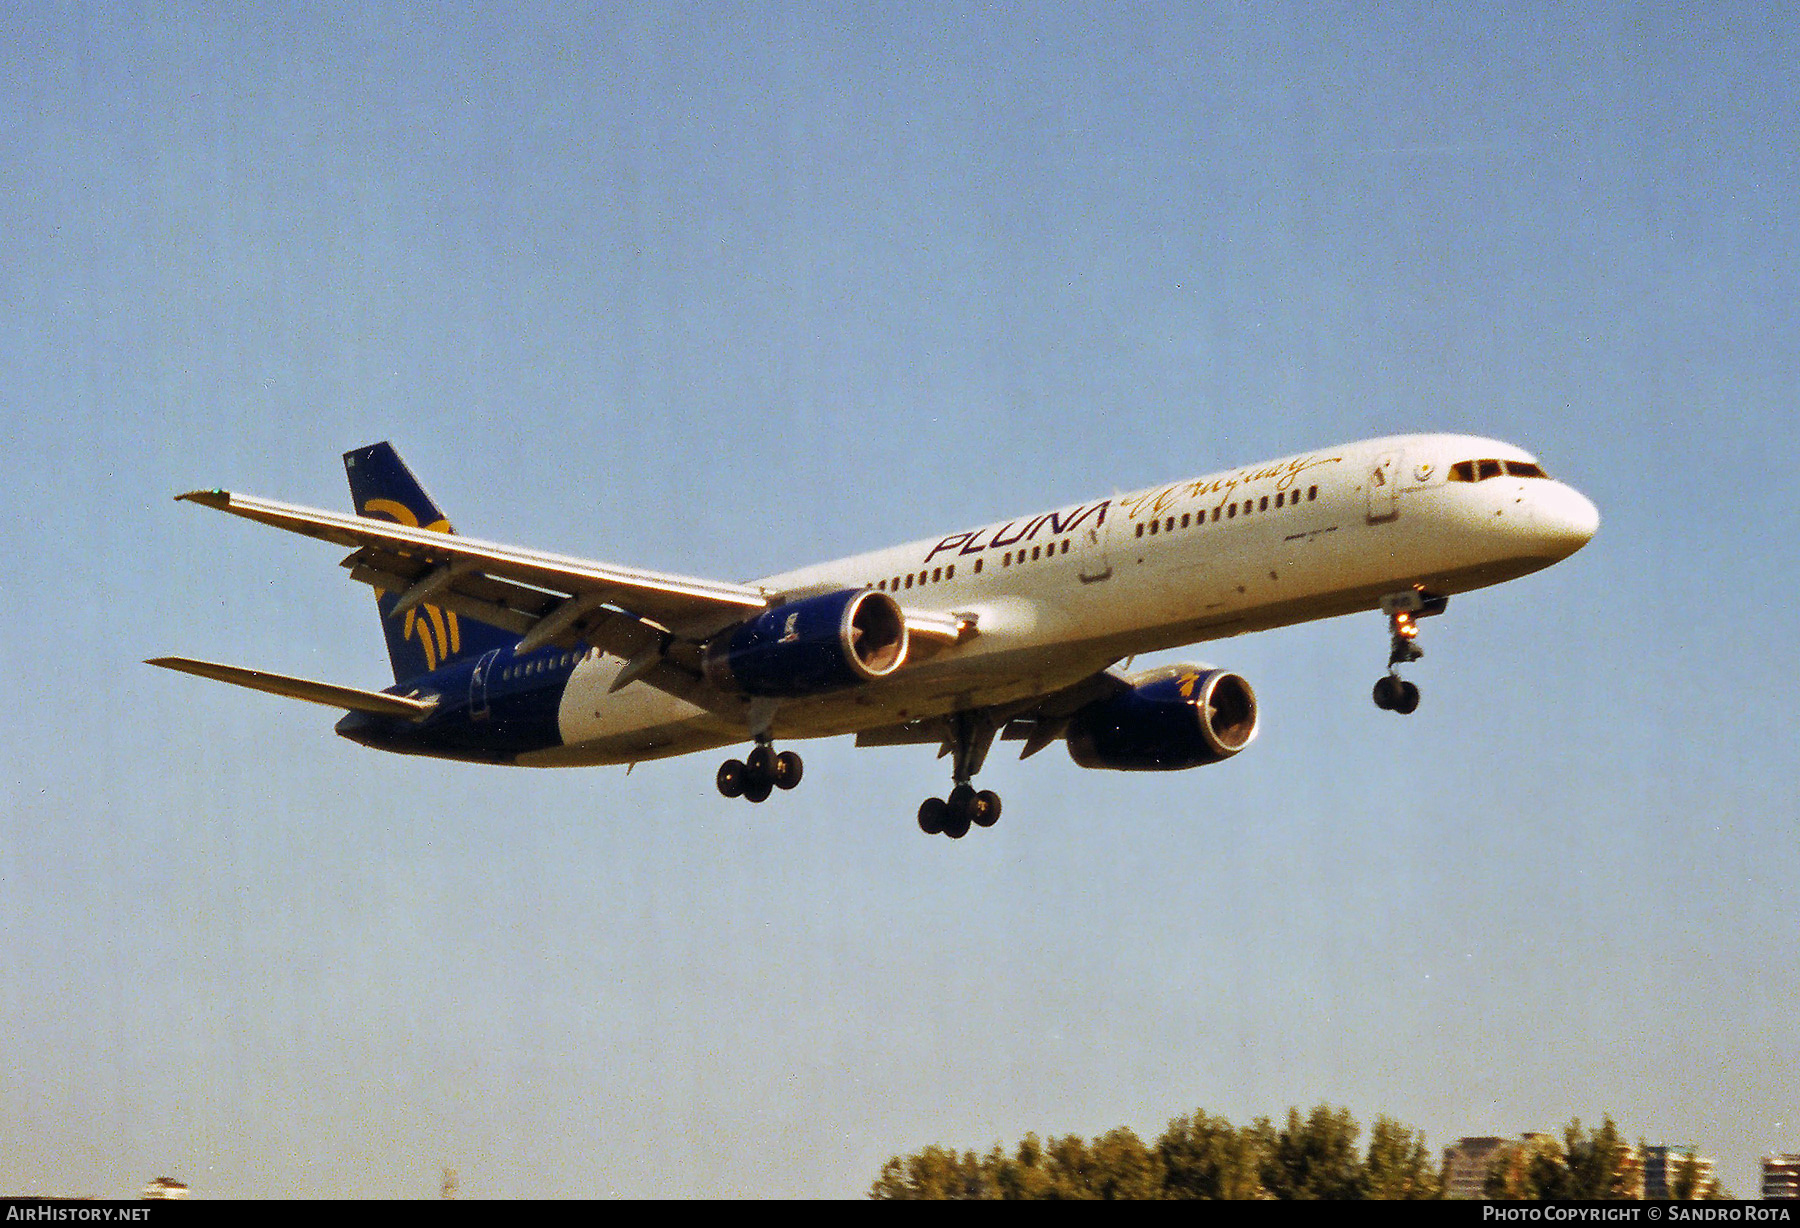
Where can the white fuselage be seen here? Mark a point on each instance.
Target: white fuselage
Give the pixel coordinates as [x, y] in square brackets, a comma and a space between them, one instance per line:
[1061, 595]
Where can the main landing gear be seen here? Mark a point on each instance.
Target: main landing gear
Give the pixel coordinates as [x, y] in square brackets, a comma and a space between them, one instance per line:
[1392, 692]
[971, 734]
[953, 815]
[760, 773]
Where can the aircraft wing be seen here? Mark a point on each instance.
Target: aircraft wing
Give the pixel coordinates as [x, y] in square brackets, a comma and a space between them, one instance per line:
[1037, 722]
[543, 598]
[531, 593]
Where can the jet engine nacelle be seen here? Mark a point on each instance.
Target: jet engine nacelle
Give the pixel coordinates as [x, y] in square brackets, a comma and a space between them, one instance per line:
[811, 646]
[1180, 716]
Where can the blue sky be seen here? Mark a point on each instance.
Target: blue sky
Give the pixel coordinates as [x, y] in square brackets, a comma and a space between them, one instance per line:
[728, 289]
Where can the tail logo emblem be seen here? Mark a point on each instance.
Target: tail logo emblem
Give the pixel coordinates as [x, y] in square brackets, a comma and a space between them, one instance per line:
[438, 633]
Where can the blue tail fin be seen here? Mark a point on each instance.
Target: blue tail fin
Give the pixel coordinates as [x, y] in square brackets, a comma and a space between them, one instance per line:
[426, 637]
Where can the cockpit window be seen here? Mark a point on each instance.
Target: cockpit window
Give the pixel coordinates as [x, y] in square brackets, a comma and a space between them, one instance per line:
[1482, 470]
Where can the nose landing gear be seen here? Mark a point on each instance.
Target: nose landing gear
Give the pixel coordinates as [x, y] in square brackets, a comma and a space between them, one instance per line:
[1392, 692]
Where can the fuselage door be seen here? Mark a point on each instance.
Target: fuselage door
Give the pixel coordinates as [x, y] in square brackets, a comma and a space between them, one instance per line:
[1091, 541]
[1384, 487]
[478, 690]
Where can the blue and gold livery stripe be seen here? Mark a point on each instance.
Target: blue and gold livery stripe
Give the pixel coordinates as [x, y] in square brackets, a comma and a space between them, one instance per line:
[438, 632]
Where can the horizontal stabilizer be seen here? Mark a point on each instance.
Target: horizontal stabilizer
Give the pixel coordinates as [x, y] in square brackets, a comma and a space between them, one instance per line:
[332, 696]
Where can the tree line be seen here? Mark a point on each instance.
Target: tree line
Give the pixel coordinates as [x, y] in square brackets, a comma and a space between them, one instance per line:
[1315, 1155]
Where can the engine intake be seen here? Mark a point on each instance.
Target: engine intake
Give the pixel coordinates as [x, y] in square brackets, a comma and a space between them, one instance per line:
[1180, 716]
[811, 646]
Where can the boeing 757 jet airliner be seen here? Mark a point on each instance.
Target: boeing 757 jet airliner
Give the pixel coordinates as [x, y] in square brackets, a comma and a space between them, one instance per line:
[1009, 630]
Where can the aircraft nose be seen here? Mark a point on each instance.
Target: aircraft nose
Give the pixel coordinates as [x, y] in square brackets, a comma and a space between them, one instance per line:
[1566, 519]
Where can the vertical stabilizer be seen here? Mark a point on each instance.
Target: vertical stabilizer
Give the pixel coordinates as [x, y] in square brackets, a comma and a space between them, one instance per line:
[426, 637]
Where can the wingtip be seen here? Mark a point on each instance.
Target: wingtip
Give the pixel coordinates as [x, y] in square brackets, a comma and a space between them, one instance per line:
[209, 498]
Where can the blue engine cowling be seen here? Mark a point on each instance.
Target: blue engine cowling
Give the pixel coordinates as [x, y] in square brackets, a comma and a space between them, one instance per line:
[1180, 716]
[811, 646]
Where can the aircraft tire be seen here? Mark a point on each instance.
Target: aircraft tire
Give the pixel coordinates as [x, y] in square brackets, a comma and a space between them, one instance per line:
[1408, 702]
[986, 812]
[933, 814]
[788, 769]
[758, 788]
[731, 778]
[1387, 692]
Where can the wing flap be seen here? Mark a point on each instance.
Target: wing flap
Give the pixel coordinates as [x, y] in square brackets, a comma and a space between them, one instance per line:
[330, 694]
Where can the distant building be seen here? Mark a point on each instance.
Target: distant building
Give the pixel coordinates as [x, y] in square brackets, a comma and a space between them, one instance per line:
[165, 1187]
[1664, 1175]
[1470, 1162]
[1466, 1164]
[1781, 1175]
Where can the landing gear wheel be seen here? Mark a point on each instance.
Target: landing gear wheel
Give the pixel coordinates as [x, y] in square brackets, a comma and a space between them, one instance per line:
[788, 769]
[731, 778]
[987, 808]
[963, 805]
[933, 813]
[961, 798]
[761, 762]
[1387, 692]
[1409, 699]
[1395, 694]
[758, 788]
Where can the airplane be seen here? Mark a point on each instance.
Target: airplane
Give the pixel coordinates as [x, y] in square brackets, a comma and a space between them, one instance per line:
[1013, 630]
